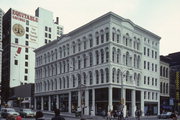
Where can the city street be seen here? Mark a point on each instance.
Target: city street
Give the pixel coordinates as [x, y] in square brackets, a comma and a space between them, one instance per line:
[48, 117]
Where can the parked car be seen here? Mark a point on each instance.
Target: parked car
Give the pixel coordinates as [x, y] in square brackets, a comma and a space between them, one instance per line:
[165, 115]
[26, 113]
[5, 112]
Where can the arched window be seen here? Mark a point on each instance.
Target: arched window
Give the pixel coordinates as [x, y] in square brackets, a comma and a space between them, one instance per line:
[102, 36]
[67, 49]
[107, 54]
[138, 44]
[45, 58]
[90, 78]
[73, 63]
[118, 55]
[113, 34]
[164, 71]
[79, 79]
[118, 36]
[127, 58]
[48, 85]
[55, 83]
[85, 42]
[107, 75]
[74, 47]
[85, 59]
[45, 86]
[64, 82]
[97, 57]
[107, 34]
[48, 57]
[56, 54]
[79, 62]
[52, 55]
[97, 77]
[67, 79]
[64, 66]
[60, 83]
[113, 75]
[167, 88]
[79, 45]
[67, 65]
[90, 59]
[113, 54]
[127, 75]
[135, 61]
[102, 76]
[52, 85]
[118, 75]
[74, 83]
[60, 52]
[97, 38]
[64, 51]
[164, 88]
[134, 43]
[90, 41]
[138, 61]
[84, 75]
[102, 56]
[138, 80]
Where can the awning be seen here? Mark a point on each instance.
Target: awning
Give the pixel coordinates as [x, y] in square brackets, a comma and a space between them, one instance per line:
[26, 101]
[166, 107]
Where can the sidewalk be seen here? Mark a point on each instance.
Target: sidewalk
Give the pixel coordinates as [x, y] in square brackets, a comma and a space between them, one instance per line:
[72, 115]
[88, 117]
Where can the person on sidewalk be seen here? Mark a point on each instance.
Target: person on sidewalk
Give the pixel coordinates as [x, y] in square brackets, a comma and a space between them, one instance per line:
[57, 115]
[109, 115]
[173, 116]
[39, 115]
[18, 117]
[138, 114]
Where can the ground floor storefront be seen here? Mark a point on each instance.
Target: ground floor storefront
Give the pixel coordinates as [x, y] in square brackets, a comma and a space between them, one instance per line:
[97, 101]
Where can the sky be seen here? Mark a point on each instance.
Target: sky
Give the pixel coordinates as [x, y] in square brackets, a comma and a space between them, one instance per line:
[161, 17]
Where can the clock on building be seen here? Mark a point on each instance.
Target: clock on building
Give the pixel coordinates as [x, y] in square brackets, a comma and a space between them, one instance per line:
[18, 29]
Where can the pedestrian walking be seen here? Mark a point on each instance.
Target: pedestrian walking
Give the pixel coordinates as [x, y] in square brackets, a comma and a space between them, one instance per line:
[109, 115]
[39, 115]
[138, 114]
[18, 117]
[173, 116]
[120, 115]
[57, 115]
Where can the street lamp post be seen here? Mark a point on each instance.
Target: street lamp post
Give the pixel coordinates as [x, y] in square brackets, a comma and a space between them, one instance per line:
[122, 89]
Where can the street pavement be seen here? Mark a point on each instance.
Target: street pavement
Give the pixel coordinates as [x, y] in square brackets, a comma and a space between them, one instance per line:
[70, 116]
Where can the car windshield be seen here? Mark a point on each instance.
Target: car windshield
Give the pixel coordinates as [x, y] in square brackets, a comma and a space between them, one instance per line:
[27, 110]
[10, 110]
[168, 113]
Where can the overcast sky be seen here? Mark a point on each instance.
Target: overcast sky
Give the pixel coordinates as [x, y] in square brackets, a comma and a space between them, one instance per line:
[161, 17]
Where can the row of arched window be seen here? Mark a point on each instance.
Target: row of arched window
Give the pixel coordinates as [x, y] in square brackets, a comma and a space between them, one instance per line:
[99, 76]
[164, 72]
[164, 88]
[87, 42]
[87, 60]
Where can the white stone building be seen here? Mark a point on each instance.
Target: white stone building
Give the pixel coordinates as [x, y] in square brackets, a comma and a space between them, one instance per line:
[105, 56]
[23, 33]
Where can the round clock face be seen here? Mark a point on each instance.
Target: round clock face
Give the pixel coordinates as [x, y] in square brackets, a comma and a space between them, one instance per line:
[18, 29]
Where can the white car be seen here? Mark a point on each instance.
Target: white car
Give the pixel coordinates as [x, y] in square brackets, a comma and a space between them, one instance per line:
[5, 112]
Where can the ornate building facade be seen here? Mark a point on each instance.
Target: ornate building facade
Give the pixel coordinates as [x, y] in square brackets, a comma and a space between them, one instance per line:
[109, 63]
